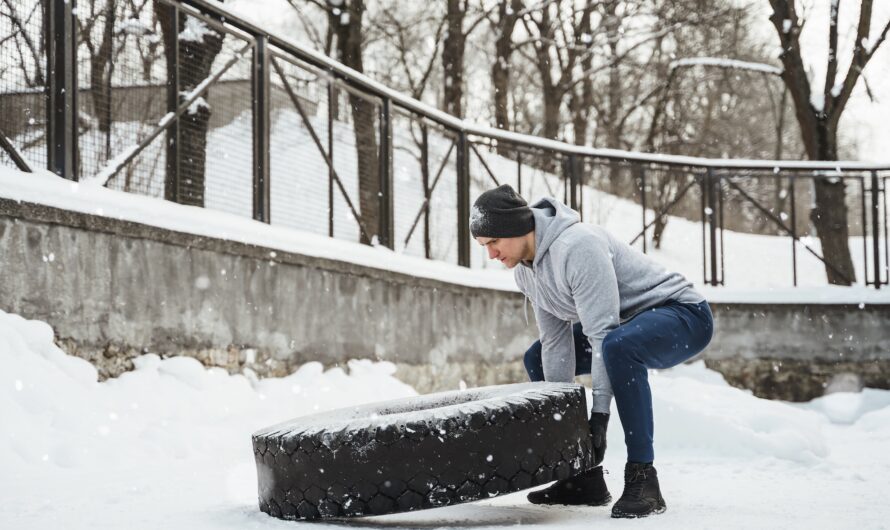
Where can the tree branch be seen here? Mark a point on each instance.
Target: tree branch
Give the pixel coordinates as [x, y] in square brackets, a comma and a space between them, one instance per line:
[861, 56]
[793, 73]
[831, 71]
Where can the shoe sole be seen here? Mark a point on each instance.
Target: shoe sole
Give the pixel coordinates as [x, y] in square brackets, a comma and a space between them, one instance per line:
[604, 502]
[656, 511]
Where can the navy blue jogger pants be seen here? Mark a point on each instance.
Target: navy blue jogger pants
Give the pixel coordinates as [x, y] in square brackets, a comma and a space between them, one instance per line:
[660, 337]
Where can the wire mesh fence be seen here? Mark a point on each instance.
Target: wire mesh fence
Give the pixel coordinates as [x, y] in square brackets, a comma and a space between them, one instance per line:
[771, 203]
[424, 187]
[302, 183]
[23, 80]
[325, 150]
[182, 101]
[121, 92]
[356, 135]
[216, 152]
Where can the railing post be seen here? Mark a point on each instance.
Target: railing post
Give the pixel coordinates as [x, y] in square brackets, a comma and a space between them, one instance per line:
[61, 108]
[875, 228]
[463, 200]
[791, 197]
[570, 172]
[425, 176]
[171, 181]
[332, 109]
[386, 231]
[261, 127]
[582, 174]
[641, 179]
[519, 172]
[886, 228]
[711, 214]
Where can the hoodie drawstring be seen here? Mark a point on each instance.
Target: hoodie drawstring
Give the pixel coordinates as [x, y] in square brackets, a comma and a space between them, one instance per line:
[525, 309]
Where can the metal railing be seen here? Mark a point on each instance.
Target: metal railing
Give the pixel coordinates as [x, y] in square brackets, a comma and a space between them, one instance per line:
[193, 104]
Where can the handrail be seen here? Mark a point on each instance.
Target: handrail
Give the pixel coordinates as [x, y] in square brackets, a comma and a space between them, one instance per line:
[360, 80]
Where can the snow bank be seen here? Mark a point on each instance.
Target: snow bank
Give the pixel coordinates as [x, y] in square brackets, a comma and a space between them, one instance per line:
[56, 414]
[697, 412]
[168, 444]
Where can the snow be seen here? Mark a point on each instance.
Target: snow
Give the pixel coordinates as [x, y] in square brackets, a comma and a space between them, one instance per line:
[434, 407]
[836, 89]
[168, 446]
[133, 26]
[111, 167]
[197, 105]
[817, 100]
[727, 63]
[194, 31]
[786, 25]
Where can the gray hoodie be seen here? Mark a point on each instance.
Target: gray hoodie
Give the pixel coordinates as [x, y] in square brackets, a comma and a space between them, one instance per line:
[581, 273]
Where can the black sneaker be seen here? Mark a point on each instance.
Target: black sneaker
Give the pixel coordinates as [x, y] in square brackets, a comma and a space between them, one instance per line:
[641, 496]
[587, 488]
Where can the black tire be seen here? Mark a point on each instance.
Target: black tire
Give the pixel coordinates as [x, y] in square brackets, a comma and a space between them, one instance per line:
[422, 452]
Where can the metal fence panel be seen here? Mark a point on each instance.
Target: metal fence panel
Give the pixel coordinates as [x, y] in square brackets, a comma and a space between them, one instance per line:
[301, 183]
[23, 80]
[171, 101]
[424, 188]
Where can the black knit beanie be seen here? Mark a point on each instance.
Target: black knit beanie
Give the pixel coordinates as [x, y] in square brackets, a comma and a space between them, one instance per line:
[501, 212]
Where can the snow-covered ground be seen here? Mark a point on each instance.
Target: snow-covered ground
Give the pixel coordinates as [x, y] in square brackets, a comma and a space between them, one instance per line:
[168, 446]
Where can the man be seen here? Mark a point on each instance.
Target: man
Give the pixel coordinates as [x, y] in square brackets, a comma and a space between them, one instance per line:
[602, 308]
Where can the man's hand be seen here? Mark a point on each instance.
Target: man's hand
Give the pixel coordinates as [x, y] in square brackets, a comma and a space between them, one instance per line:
[598, 422]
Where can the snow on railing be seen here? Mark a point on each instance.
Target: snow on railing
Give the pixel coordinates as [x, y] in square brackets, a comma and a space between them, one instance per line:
[726, 63]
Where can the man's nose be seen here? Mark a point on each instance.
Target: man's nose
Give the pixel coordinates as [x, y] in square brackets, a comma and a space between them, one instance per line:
[492, 253]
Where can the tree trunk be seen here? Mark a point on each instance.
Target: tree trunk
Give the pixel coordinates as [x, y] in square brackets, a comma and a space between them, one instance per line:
[829, 215]
[500, 69]
[348, 30]
[453, 58]
[551, 91]
[609, 120]
[658, 231]
[818, 127]
[100, 61]
[186, 184]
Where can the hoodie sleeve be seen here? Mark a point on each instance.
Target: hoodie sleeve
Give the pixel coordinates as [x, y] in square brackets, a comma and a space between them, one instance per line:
[594, 286]
[557, 347]
[557, 340]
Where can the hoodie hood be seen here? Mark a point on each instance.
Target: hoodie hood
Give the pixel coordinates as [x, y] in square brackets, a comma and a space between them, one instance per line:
[552, 218]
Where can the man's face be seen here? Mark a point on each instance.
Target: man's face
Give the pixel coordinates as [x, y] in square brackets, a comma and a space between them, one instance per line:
[508, 250]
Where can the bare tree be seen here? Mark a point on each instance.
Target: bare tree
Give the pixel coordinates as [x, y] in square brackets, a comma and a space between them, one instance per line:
[29, 63]
[408, 51]
[818, 113]
[508, 13]
[453, 58]
[453, 48]
[345, 19]
[558, 29]
[100, 47]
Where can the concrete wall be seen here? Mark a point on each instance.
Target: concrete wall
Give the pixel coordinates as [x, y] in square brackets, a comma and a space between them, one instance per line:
[114, 289]
[800, 351]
